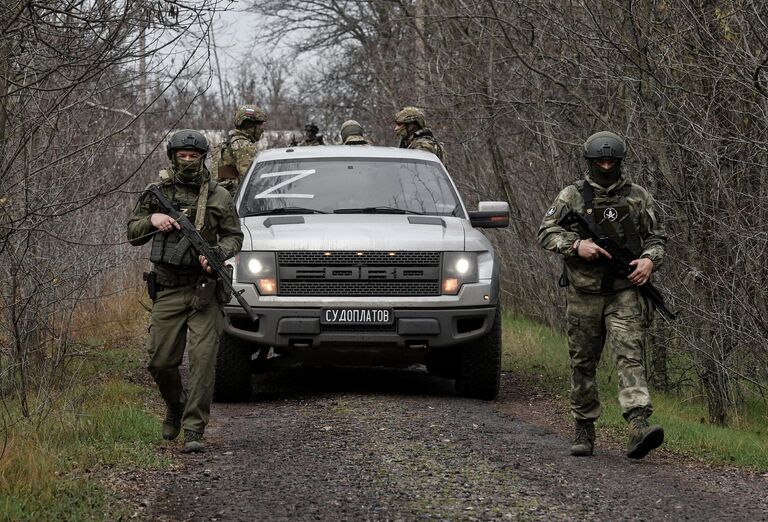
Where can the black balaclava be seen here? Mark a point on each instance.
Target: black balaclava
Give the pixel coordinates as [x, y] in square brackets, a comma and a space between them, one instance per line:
[604, 178]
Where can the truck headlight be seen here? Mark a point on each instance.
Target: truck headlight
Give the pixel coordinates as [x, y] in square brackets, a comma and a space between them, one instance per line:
[258, 268]
[458, 268]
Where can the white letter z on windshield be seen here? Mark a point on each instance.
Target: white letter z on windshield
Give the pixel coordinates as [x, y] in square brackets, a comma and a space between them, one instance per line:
[297, 175]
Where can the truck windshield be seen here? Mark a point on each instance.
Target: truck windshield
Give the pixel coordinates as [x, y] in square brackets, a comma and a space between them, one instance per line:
[349, 185]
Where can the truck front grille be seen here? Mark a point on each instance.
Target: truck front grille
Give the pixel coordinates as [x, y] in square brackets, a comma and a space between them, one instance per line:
[359, 258]
[358, 274]
[358, 288]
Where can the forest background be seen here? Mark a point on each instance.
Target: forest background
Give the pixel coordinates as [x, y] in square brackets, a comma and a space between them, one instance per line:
[90, 89]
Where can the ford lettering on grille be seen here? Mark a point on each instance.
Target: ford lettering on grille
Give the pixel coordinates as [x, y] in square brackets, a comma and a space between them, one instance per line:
[367, 273]
[356, 316]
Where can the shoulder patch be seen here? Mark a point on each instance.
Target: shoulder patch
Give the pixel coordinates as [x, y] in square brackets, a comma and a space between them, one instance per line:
[550, 212]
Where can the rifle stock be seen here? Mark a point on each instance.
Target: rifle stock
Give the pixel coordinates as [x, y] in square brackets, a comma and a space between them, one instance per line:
[620, 258]
[202, 247]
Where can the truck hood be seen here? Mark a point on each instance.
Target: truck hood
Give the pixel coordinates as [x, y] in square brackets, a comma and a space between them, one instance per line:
[336, 232]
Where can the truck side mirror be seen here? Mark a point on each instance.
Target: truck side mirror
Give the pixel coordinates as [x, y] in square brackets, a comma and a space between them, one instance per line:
[490, 214]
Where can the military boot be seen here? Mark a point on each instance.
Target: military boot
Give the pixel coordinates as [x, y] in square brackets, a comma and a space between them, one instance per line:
[642, 437]
[584, 442]
[172, 422]
[193, 442]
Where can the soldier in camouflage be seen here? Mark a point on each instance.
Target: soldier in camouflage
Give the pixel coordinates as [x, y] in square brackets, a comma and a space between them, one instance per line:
[230, 160]
[352, 134]
[311, 136]
[411, 128]
[605, 310]
[187, 301]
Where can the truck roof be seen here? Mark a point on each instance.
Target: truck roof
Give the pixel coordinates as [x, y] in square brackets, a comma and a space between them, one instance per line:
[344, 151]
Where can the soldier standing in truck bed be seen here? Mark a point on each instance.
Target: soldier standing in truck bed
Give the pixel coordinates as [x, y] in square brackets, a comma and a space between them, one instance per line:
[230, 160]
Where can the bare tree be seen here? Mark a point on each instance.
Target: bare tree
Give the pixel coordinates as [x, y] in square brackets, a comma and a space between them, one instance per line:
[77, 79]
[513, 87]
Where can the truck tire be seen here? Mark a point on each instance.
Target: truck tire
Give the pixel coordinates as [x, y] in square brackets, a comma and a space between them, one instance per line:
[479, 372]
[233, 371]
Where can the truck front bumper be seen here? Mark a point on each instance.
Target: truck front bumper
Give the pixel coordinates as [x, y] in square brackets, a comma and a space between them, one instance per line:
[412, 328]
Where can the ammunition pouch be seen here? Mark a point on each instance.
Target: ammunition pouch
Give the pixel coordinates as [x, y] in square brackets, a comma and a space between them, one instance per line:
[173, 249]
[178, 255]
[226, 166]
[205, 293]
[227, 172]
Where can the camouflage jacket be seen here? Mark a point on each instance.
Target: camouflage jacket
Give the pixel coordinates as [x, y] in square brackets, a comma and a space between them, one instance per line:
[623, 199]
[237, 151]
[424, 139]
[356, 139]
[221, 225]
[311, 143]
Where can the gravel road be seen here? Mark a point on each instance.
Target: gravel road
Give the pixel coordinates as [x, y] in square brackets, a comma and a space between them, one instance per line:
[398, 445]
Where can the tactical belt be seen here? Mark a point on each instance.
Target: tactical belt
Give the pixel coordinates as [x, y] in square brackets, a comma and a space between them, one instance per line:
[167, 280]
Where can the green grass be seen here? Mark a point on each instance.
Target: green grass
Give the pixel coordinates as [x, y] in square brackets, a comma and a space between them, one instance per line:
[532, 349]
[100, 424]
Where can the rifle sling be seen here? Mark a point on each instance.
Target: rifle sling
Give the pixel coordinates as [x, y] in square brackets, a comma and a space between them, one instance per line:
[202, 203]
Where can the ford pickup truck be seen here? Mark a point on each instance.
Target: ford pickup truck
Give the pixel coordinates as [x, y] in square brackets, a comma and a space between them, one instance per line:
[362, 254]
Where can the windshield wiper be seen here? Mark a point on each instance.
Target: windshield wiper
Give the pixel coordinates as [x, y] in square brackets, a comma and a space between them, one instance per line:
[376, 210]
[286, 210]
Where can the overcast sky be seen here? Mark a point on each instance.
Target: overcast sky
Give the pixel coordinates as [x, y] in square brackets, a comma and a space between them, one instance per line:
[235, 30]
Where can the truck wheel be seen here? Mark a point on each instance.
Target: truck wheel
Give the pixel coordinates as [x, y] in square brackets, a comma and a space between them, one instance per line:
[480, 367]
[233, 371]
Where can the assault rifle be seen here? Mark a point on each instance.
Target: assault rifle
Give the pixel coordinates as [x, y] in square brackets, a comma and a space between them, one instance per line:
[620, 259]
[193, 238]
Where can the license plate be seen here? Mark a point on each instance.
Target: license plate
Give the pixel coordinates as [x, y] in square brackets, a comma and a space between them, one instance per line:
[357, 316]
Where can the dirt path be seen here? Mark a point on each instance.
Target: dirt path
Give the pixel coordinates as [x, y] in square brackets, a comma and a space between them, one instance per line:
[397, 445]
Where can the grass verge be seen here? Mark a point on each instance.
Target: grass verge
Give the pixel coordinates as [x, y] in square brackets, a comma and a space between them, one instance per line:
[100, 424]
[532, 349]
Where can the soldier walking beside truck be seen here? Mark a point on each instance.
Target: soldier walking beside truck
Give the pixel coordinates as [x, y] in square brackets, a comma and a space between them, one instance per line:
[607, 306]
[187, 297]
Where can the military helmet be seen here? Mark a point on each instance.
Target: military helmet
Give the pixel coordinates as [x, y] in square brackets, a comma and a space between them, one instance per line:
[186, 139]
[411, 115]
[311, 127]
[350, 128]
[249, 112]
[604, 144]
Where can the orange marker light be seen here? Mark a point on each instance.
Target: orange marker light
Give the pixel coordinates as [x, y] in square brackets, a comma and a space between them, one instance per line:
[450, 285]
[267, 286]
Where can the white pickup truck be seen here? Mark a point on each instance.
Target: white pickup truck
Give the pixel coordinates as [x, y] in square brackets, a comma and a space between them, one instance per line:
[362, 255]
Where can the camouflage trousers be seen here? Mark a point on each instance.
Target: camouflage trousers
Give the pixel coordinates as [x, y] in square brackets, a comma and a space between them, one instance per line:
[173, 320]
[619, 323]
